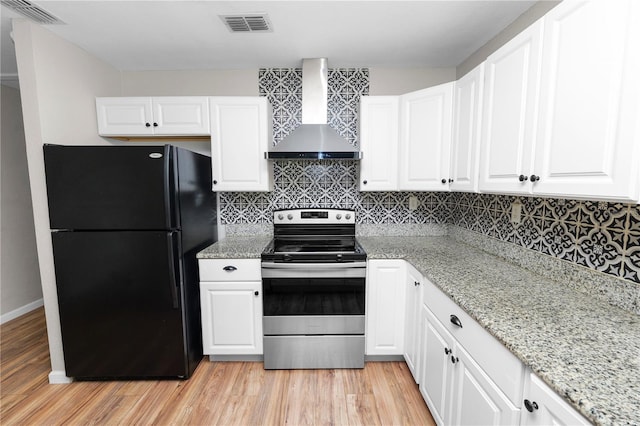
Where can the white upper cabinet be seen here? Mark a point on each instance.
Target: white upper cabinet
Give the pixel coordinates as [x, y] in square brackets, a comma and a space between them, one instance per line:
[588, 138]
[466, 130]
[153, 116]
[425, 139]
[509, 112]
[379, 143]
[241, 131]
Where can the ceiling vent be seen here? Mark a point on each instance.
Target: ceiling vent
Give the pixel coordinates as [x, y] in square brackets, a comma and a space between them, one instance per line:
[248, 23]
[32, 11]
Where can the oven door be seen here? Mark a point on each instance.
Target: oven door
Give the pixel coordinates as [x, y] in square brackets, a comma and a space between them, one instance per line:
[313, 298]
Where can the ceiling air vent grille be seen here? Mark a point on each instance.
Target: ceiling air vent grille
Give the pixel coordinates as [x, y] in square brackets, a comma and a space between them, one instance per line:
[32, 11]
[248, 23]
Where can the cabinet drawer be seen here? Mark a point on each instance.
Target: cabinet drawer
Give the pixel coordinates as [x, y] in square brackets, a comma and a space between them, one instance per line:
[505, 369]
[236, 269]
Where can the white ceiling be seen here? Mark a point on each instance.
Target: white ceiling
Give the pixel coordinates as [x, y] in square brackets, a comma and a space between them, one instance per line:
[181, 34]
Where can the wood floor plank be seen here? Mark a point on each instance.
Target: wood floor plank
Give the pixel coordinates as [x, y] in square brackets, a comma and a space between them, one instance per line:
[218, 393]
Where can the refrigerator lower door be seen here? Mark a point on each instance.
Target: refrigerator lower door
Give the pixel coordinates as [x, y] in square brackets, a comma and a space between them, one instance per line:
[121, 307]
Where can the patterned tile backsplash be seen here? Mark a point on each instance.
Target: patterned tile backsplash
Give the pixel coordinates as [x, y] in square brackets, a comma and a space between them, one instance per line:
[598, 235]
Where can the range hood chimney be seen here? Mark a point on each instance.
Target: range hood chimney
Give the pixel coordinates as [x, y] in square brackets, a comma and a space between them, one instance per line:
[314, 139]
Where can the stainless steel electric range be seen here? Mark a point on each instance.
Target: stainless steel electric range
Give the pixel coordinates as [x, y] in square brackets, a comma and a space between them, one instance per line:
[313, 281]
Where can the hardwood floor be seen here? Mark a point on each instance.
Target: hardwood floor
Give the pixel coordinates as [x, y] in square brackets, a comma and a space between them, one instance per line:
[219, 393]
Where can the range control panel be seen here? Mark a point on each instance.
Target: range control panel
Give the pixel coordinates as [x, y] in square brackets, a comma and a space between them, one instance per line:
[317, 216]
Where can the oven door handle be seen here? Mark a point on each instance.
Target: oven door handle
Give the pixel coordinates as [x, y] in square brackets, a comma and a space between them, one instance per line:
[314, 270]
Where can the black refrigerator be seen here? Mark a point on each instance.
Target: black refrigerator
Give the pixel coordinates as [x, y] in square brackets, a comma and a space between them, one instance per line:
[126, 225]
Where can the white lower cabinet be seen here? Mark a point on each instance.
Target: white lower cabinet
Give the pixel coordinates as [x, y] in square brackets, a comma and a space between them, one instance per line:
[385, 308]
[412, 329]
[542, 406]
[231, 306]
[454, 386]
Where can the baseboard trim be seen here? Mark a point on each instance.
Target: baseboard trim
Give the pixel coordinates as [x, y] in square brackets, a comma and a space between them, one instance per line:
[59, 377]
[21, 311]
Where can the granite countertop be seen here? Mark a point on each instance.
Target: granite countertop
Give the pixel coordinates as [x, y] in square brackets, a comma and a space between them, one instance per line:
[236, 247]
[586, 350]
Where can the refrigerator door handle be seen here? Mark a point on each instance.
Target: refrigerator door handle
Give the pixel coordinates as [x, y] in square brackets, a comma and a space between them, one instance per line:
[169, 187]
[174, 271]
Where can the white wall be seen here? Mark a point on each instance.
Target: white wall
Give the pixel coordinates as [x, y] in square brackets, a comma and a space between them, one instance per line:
[20, 289]
[534, 13]
[58, 83]
[396, 81]
[190, 83]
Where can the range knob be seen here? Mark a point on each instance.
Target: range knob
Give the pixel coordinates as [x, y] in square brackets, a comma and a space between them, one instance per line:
[348, 216]
[338, 216]
[290, 216]
[280, 216]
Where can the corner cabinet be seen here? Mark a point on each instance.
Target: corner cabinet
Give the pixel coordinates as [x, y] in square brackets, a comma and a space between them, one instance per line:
[231, 306]
[379, 117]
[153, 116]
[385, 308]
[241, 131]
[425, 139]
[465, 145]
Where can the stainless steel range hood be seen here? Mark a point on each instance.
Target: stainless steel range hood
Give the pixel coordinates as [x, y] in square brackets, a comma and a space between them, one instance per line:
[314, 139]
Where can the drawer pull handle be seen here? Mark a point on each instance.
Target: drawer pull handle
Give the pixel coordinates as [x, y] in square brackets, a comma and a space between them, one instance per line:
[530, 405]
[229, 268]
[447, 351]
[454, 359]
[455, 321]
[416, 283]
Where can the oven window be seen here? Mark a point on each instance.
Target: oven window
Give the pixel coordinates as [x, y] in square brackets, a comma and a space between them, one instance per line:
[313, 296]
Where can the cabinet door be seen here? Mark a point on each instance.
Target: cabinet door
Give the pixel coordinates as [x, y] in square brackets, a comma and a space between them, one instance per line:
[241, 131]
[588, 139]
[231, 317]
[181, 115]
[435, 371]
[476, 400]
[385, 307]
[425, 139]
[124, 116]
[466, 131]
[546, 407]
[508, 116]
[379, 143]
[412, 321]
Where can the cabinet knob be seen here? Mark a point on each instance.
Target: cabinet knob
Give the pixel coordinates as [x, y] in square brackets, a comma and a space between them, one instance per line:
[531, 406]
[416, 283]
[455, 320]
[522, 178]
[215, 182]
[155, 124]
[229, 268]
[454, 359]
[443, 181]
[450, 180]
[257, 293]
[447, 351]
[147, 124]
[534, 178]
[364, 182]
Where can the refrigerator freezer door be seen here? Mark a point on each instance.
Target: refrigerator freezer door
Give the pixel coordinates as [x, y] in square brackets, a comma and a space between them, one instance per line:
[111, 187]
[120, 304]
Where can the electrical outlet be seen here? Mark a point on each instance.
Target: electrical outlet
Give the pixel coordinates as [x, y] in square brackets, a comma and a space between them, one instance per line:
[516, 212]
[413, 203]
